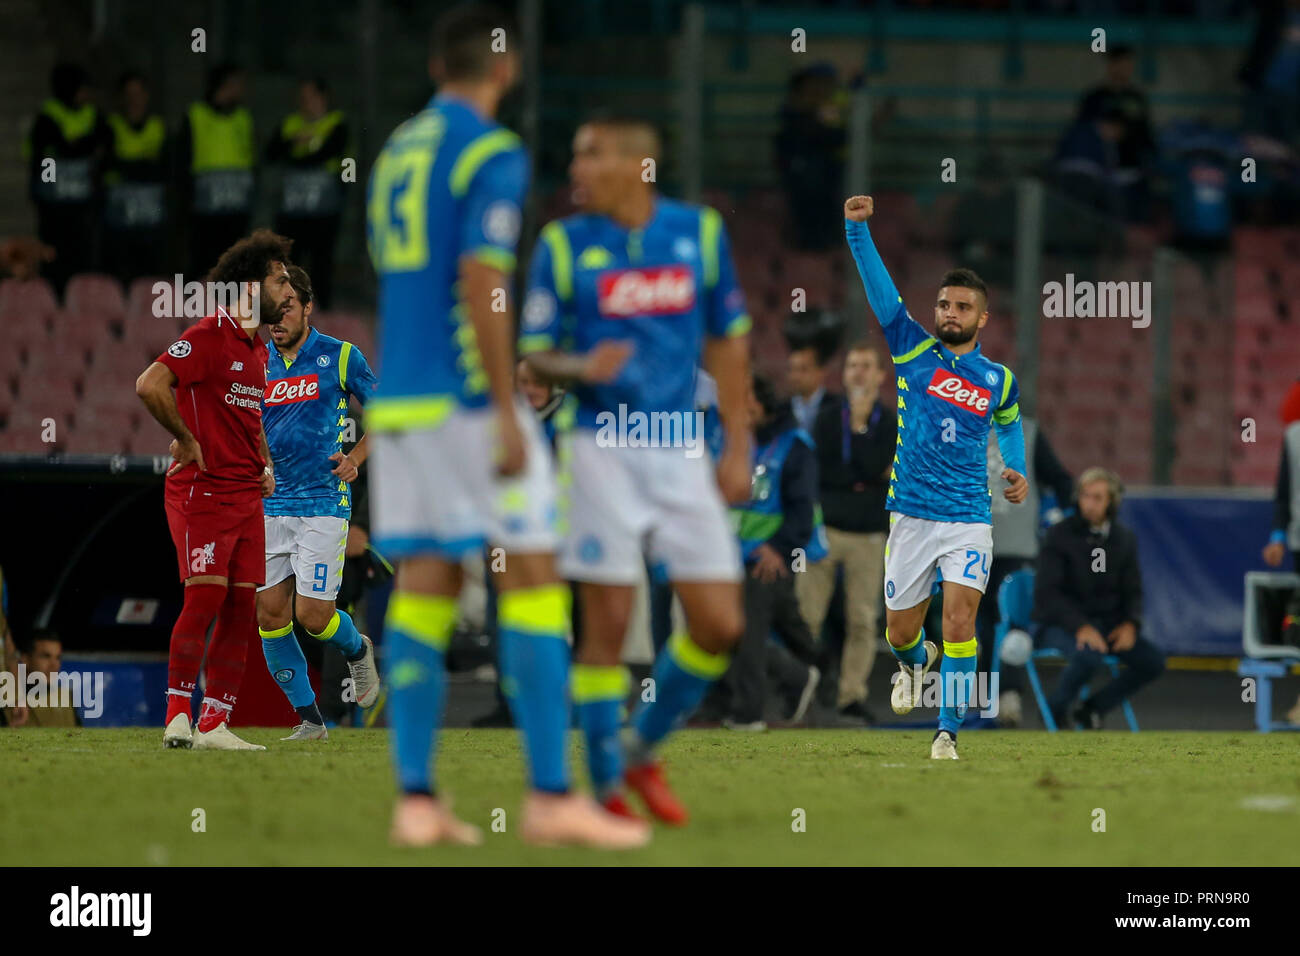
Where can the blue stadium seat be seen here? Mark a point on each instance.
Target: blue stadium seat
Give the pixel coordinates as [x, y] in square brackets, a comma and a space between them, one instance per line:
[1016, 606]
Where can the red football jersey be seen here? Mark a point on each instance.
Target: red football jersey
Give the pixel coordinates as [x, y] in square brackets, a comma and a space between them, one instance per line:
[220, 379]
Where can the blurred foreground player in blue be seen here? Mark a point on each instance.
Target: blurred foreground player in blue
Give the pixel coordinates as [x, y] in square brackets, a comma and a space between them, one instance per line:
[651, 277]
[459, 460]
[310, 377]
[949, 396]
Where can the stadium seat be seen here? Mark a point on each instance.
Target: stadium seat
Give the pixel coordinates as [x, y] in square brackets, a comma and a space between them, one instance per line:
[84, 331]
[27, 298]
[93, 294]
[1015, 607]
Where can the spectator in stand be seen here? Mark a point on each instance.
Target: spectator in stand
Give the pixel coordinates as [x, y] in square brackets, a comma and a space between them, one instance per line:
[981, 234]
[1087, 160]
[1272, 71]
[855, 438]
[19, 714]
[215, 160]
[1015, 546]
[69, 131]
[135, 186]
[45, 656]
[1118, 96]
[806, 382]
[1088, 603]
[777, 521]
[810, 156]
[310, 143]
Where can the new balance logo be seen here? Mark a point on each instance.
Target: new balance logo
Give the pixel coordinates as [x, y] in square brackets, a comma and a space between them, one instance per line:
[236, 366]
[202, 557]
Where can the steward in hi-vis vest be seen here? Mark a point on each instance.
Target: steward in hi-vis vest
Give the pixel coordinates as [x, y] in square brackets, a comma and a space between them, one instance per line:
[310, 144]
[216, 160]
[63, 151]
[135, 186]
[780, 533]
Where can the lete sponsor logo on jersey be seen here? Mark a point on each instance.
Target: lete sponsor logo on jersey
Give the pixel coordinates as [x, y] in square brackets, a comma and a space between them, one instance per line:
[286, 391]
[957, 391]
[667, 290]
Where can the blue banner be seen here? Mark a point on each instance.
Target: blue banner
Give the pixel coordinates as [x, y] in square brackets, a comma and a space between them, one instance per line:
[1194, 553]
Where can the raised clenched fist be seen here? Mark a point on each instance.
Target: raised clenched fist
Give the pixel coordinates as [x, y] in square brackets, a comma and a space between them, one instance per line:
[859, 208]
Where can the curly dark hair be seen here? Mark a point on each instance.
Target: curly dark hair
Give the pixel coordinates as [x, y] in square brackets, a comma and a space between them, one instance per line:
[301, 283]
[250, 258]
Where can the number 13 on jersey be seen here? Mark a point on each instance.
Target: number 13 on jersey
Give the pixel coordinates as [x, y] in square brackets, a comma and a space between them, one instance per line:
[399, 203]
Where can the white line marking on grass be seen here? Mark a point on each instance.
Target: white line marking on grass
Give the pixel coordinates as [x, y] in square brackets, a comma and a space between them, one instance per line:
[1268, 802]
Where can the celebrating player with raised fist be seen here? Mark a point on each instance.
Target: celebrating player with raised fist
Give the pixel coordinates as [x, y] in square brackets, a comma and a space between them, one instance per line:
[949, 396]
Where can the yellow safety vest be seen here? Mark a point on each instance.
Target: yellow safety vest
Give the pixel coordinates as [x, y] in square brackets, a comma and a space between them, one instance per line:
[220, 140]
[73, 124]
[296, 123]
[131, 144]
[75, 175]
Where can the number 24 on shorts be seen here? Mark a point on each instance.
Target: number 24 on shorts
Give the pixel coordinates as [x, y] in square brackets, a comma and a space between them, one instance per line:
[973, 558]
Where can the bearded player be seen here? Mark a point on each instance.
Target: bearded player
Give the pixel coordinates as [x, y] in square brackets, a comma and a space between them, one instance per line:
[653, 277]
[949, 395]
[206, 389]
[310, 379]
[458, 460]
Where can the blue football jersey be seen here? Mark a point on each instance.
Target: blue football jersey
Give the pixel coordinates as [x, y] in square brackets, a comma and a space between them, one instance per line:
[449, 183]
[946, 405]
[304, 412]
[663, 287]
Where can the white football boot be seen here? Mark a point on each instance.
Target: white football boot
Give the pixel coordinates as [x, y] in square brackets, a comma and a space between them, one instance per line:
[178, 735]
[944, 747]
[907, 689]
[220, 738]
[308, 731]
[365, 676]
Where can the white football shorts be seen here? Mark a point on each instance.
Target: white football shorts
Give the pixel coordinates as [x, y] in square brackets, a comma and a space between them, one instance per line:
[920, 551]
[435, 490]
[622, 505]
[308, 548]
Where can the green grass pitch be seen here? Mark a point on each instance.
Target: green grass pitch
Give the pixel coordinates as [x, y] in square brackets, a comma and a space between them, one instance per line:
[115, 797]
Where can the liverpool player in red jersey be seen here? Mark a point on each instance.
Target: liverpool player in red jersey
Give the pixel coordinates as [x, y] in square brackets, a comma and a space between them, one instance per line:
[206, 389]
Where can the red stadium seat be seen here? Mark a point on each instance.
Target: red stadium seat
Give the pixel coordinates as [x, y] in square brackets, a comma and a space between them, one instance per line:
[27, 298]
[87, 331]
[93, 294]
[140, 297]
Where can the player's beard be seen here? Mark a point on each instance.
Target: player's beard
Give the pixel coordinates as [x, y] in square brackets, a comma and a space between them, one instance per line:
[958, 336]
[269, 314]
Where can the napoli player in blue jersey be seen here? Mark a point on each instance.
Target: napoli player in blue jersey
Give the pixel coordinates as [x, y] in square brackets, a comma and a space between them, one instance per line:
[653, 275]
[459, 460]
[949, 396]
[310, 379]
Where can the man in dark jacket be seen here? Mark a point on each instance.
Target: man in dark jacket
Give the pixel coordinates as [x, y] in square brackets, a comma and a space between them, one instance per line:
[856, 437]
[1088, 602]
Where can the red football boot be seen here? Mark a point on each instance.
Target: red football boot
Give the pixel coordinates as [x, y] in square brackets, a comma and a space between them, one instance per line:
[649, 783]
[618, 805]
